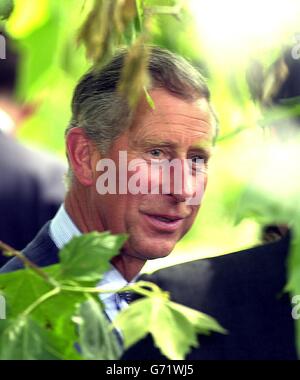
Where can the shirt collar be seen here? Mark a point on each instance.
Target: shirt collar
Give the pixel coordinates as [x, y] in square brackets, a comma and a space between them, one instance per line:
[62, 228]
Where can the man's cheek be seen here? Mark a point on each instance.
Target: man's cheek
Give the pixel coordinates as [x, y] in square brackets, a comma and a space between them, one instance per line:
[138, 177]
[191, 219]
[200, 183]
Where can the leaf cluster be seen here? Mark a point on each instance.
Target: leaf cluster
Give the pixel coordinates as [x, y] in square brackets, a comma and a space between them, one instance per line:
[56, 313]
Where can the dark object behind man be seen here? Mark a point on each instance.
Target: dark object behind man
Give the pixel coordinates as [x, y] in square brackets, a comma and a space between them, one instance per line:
[31, 184]
[244, 292]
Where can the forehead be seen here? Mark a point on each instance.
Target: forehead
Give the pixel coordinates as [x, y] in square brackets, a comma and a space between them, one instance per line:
[173, 119]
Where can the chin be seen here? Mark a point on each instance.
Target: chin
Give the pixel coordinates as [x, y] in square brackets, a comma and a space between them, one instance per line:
[154, 250]
[158, 256]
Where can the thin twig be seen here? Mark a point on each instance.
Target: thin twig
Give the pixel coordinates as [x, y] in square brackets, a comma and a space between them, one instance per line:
[140, 287]
[5, 247]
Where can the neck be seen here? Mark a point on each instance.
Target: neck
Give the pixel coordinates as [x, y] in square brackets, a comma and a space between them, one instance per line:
[129, 266]
[78, 206]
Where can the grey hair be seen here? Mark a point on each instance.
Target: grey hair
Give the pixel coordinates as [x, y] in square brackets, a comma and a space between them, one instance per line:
[104, 113]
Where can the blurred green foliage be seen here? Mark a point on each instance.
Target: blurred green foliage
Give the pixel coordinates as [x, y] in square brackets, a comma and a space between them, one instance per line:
[37, 329]
[236, 197]
[52, 62]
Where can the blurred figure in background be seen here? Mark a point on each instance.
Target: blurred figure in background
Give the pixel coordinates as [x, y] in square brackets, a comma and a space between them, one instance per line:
[31, 182]
[277, 91]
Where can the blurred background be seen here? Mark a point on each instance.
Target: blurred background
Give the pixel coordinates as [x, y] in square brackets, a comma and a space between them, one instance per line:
[249, 51]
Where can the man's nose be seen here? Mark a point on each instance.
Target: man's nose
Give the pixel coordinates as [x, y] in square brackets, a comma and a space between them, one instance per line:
[182, 182]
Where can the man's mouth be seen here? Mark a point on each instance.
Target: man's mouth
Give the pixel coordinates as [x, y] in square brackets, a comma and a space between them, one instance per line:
[162, 218]
[167, 223]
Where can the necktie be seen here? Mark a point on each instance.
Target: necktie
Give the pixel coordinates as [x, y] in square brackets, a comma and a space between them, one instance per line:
[126, 296]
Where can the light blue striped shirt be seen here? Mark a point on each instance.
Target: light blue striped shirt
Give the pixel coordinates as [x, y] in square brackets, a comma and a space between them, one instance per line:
[62, 230]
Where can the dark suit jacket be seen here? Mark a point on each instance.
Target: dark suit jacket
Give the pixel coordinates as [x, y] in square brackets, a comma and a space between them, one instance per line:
[31, 190]
[242, 290]
[42, 251]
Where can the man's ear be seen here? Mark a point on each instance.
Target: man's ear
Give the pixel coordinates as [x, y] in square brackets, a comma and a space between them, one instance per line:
[80, 150]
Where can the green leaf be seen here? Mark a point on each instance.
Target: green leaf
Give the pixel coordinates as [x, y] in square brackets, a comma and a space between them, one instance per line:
[97, 341]
[24, 287]
[87, 257]
[201, 322]
[56, 315]
[149, 99]
[28, 17]
[24, 339]
[138, 21]
[21, 288]
[174, 327]
[6, 7]
[83, 259]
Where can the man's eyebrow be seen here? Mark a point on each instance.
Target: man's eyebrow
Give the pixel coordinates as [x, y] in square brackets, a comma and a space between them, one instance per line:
[204, 151]
[158, 143]
[201, 149]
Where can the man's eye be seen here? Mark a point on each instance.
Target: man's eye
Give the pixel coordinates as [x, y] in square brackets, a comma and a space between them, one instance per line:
[156, 153]
[198, 160]
[199, 163]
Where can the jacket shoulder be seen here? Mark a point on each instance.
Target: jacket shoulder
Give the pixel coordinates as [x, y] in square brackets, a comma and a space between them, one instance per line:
[41, 251]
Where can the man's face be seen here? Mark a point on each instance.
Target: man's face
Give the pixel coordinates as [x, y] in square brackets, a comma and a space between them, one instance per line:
[175, 129]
